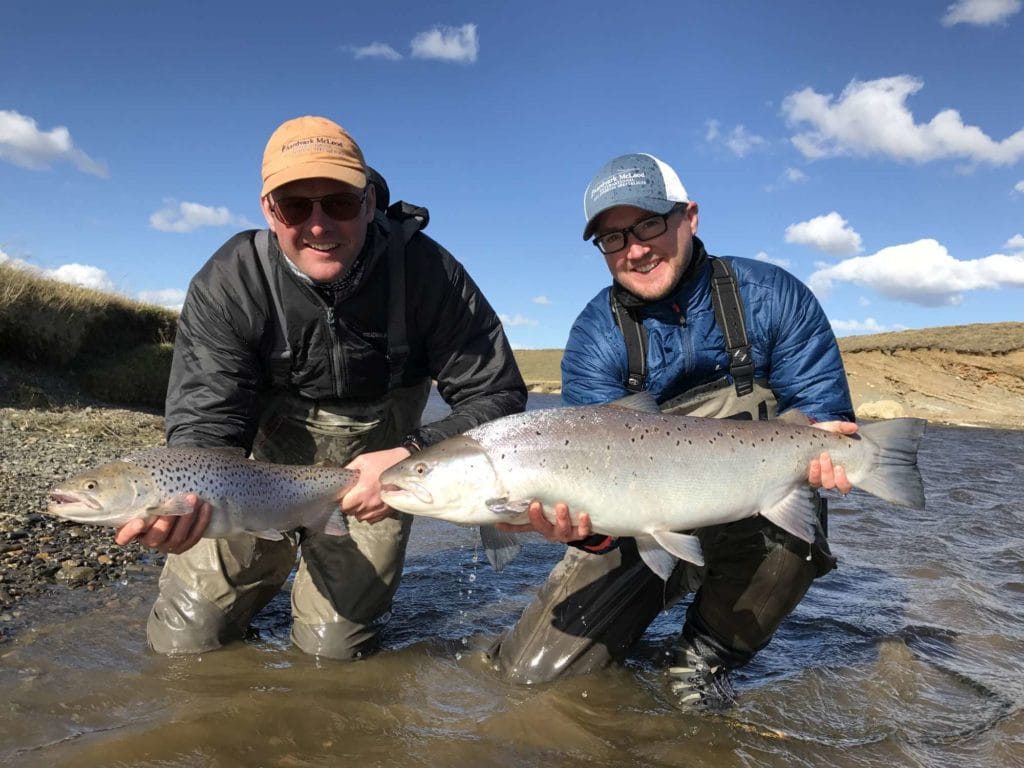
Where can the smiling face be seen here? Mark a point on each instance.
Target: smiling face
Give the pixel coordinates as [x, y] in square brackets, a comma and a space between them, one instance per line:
[650, 269]
[321, 247]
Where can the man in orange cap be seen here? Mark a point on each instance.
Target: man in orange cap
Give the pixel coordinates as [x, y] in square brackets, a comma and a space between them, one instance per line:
[317, 339]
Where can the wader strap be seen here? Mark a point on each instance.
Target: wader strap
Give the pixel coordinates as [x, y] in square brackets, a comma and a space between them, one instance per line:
[725, 297]
[404, 220]
[635, 334]
[281, 353]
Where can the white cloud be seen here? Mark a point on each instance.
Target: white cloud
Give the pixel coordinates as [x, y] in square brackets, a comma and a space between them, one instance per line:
[516, 320]
[1015, 243]
[738, 141]
[376, 51]
[794, 175]
[762, 256]
[923, 273]
[84, 275]
[871, 118]
[188, 217]
[829, 233]
[458, 44]
[171, 298]
[981, 13]
[22, 143]
[868, 325]
[544, 300]
[1019, 186]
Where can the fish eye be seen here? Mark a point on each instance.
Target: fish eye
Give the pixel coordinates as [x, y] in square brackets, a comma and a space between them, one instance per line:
[420, 468]
[90, 485]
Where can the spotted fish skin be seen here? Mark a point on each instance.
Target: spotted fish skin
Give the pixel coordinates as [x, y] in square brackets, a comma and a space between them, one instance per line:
[246, 496]
[648, 475]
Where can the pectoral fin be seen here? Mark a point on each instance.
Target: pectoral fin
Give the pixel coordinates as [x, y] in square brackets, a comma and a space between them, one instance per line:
[501, 547]
[505, 507]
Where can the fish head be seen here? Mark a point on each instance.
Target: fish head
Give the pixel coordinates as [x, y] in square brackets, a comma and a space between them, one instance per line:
[110, 494]
[451, 480]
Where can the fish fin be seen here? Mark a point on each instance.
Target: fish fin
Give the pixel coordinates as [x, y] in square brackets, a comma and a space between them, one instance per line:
[654, 557]
[795, 416]
[501, 547]
[503, 506]
[685, 546]
[270, 535]
[336, 524]
[639, 401]
[175, 505]
[894, 476]
[796, 513]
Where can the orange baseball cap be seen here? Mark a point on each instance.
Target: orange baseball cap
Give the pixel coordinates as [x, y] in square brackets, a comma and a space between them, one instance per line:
[311, 148]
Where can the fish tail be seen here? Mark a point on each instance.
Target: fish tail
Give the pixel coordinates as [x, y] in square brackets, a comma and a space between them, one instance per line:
[894, 475]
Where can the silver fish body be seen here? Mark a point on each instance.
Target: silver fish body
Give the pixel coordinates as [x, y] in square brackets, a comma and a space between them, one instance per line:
[647, 474]
[246, 496]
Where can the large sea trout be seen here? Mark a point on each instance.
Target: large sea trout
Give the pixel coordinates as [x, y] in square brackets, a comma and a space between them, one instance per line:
[253, 497]
[641, 473]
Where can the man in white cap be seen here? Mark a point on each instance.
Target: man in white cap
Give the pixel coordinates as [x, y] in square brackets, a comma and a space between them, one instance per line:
[708, 336]
[315, 340]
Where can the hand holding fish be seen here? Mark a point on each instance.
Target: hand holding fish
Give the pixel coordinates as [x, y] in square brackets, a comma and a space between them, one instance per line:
[363, 501]
[561, 530]
[170, 534]
[821, 473]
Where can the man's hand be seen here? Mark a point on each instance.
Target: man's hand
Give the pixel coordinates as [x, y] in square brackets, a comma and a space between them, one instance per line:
[170, 534]
[820, 472]
[363, 500]
[562, 530]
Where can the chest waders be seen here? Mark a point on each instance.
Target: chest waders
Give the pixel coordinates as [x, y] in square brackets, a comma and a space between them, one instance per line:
[593, 608]
[342, 592]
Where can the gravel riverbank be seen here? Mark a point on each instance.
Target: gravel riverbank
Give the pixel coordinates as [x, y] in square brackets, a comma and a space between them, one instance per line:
[48, 432]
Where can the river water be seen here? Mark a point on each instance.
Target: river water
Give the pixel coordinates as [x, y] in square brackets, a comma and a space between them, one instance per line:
[910, 654]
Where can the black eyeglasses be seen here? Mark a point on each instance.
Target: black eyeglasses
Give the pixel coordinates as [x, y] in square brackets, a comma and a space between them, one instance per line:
[342, 206]
[645, 229]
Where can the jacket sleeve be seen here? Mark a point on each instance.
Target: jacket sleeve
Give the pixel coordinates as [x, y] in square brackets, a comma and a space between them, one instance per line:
[215, 373]
[594, 361]
[464, 344]
[806, 369]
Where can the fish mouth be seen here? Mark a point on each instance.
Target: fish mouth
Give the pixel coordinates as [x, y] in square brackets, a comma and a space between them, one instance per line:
[59, 498]
[397, 491]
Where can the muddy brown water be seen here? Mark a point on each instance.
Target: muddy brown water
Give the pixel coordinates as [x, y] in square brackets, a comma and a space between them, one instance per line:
[910, 654]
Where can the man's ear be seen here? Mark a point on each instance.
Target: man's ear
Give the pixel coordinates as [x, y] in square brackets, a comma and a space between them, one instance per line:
[692, 216]
[267, 213]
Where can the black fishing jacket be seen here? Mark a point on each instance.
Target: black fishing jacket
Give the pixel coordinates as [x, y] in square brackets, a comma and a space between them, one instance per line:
[227, 357]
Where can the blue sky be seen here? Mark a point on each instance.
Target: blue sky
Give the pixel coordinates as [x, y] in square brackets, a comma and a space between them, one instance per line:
[874, 149]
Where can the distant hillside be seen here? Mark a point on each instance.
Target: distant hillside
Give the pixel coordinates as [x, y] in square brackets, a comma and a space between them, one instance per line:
[62, 337]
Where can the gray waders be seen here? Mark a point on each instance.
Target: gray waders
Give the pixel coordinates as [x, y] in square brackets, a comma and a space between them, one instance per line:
[342, 591]
[593, 608]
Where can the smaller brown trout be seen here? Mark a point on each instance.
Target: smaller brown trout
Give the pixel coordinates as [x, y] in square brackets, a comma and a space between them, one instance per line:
[253, 497]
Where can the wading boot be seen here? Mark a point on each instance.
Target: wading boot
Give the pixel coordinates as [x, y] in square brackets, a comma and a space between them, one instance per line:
[698, 679]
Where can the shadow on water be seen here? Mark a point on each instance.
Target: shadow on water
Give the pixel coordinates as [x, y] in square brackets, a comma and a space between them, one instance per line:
[911, 653]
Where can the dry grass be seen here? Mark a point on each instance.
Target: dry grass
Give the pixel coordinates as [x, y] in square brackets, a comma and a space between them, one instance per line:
[87, 333]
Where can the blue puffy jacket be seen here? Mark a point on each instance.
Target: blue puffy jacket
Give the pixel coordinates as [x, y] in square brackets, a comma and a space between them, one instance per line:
[792, 343]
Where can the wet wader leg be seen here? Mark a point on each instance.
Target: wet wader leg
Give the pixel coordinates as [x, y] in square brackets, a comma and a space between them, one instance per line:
[588, 614]
[756, 575]
[341, 597]
[209, 594]
[342, 593]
